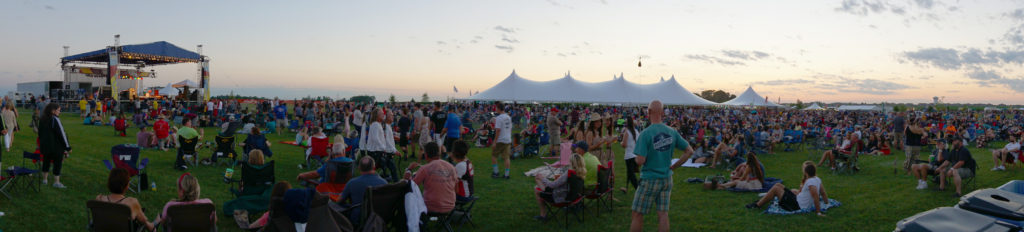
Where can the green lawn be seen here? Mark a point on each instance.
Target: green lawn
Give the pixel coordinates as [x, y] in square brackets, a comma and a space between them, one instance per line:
[873, 200]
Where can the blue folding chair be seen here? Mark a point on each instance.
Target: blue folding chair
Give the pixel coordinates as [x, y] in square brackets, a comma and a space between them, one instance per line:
[127, 156]
[12, 178]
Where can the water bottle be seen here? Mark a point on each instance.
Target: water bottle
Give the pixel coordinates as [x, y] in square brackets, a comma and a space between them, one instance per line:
[152, 186]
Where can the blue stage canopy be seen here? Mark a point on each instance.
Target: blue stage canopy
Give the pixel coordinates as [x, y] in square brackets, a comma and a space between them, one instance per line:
[155, 53]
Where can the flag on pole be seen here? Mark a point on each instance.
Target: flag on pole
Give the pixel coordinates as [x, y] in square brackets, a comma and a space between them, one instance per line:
[456, 89]
[765, 99]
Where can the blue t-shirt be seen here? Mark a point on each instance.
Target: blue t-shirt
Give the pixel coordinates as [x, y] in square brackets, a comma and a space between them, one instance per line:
[323, 169]
[355, 188]
[453, 125]
[656, 143]
[280, 111]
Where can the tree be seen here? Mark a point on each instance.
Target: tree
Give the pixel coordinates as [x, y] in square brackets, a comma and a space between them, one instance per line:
[392, 98]
[799, 104]
[717, 96]
[425, 98]
[362, 98]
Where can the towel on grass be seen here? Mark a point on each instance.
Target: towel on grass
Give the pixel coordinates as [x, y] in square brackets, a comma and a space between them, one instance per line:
[767, 185]
[775, 209]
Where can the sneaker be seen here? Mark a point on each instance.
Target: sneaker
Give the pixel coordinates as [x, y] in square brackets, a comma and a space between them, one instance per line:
[44, 181]
[59, 185]
[1002, 168]
[506, 177]
[495, 175]
[920, 185]
[995, 169]
[752, 206]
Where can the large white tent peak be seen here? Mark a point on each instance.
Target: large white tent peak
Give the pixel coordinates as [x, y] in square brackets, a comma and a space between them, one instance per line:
[750, 98]
[618, 90]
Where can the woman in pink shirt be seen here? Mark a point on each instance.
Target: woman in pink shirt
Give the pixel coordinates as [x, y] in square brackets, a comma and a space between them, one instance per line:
[188, 193]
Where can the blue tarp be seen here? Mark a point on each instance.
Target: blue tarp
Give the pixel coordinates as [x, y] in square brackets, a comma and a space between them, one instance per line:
[160, 52]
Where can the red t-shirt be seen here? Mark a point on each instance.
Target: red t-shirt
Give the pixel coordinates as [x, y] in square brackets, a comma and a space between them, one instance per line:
[161, 128]
[438, 180]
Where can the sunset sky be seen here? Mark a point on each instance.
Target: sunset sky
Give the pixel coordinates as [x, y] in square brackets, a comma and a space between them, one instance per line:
[968, 51]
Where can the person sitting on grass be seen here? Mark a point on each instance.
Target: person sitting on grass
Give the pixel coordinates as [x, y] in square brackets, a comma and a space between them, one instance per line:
[1005, 155]
[557, 191]
[810, 195]
[145, 139]
[962, 167]
[938, 164]
[117, 183]
[188, 194]
[843, 148]
[729, 150]
[883, 147]
[747, 176]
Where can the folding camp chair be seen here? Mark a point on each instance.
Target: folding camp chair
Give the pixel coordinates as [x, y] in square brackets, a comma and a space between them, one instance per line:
[225, 151]
[602, 193]
[847, 162]
[317, 151]
[188, 150]
[111, 217]
[463, 210]
[338, 174]
[575, 205]
[794, 140]
[387, 202]
[253, 194]
[127, 156]
[278, 220]
[191, 217]
[256, 142]
[322, 218]
[13, 176]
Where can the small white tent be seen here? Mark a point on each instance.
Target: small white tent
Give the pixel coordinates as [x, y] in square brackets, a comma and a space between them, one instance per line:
[814, 106]
[859, 108]
[750, 98]
[169, 91]
[184, 83]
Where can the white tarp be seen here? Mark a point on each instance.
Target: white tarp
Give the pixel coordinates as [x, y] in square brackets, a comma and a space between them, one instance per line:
[184, 83]
[568, 89]
[814, 106]
[169, 91]
[859, 108]
[992, 108]
[750, 98]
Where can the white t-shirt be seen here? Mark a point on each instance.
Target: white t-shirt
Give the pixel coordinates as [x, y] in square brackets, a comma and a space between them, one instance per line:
[209, 106]
[357, 118]
[504, 122]
[630, 144]
[1012, 147]
[804, 198]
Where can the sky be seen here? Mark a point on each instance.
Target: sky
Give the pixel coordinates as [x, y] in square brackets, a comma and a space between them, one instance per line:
[968, 51]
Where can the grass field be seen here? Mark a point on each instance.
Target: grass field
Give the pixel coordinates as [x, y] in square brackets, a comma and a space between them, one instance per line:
[873, 200]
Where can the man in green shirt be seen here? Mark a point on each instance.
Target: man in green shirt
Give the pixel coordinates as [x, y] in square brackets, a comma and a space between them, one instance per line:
[654, 148]
[186, 132]
[589, 161]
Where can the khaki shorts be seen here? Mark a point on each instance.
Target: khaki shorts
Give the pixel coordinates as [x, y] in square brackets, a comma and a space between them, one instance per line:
[500, 150]
[964, 173]
[282, 123]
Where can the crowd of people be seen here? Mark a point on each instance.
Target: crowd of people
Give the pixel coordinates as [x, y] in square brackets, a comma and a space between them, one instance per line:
[435, 139]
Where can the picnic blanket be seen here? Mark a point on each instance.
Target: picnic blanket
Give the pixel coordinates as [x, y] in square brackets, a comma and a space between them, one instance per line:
[689, 163]
[776, 210]
[546, 171]
[767, 185]
[291, 142]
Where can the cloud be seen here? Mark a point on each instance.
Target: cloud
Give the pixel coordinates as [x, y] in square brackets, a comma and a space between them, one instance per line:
[952, 59]
[1015, 35]
[714, 60]
[926, 4]
[441, 42]
[871, 86]
[783, 82]
[507, 39]
[983, 75]
[1017, 14]
[735, 57]
[861, 7]
[745, 55]
[505, 29]
[506, 48]
[49, 7]
[1015, 84]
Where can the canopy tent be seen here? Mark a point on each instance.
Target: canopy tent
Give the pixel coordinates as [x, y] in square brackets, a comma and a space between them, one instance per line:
[859, 108]
[750, 98]
[990, 108]
[155, 53]
[814, 106]
[184, 83]
[169, 90]
[568, 89]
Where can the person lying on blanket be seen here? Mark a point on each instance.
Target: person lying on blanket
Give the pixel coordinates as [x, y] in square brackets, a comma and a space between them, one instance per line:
[747, 176]
[811, 193]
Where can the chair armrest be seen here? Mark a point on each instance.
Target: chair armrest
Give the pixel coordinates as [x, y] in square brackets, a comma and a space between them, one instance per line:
[143, 163]
[109, 165]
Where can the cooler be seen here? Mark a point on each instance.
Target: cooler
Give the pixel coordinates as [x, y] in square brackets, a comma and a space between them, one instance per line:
[1014, 186]
[952, 219]
[1003, 205]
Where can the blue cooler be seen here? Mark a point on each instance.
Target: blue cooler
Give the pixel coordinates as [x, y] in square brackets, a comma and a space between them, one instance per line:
[1003, 205]
[1014, 186]
[952, 219]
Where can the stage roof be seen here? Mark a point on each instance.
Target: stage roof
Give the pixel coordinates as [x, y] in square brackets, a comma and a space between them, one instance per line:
[155, 53]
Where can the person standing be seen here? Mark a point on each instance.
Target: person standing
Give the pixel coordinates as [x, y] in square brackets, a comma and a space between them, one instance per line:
[438, 118]
[376, 143]
[452, 131]
[914, 134]
[405, 129]
[654, 147]
[629, 134]
[899, 123]
[281, 117]
[53, 143]
[554, 126]
[10, 121]
[500, 149]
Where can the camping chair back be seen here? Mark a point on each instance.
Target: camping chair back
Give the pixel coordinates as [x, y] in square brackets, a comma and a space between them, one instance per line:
[225, 147]
[603, 184]
[468, 177]
[120, 124]
[106, 216]
[318, 146]
[576, 186]
[388, 202]
[126, 156]
[188, 146]
[257, 180]
[191, 217]
[278, 220]
[323, 218]
[338, 172]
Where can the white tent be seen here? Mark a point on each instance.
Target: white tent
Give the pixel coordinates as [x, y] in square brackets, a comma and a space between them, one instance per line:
[991, 108]
[750, 98]
[169, 91]
[568, 89]
[184, 83]
[859, 108]
[814, 106]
